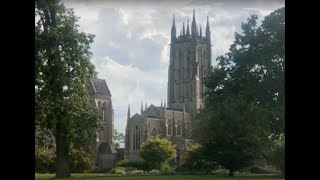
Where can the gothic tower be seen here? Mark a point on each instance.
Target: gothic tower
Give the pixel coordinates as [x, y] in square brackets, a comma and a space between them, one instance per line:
[190, 62]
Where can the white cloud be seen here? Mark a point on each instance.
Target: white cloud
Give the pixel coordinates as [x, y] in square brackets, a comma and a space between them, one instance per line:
[130, 85]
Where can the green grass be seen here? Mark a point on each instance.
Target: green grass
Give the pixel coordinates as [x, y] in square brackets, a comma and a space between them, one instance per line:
[175, 177]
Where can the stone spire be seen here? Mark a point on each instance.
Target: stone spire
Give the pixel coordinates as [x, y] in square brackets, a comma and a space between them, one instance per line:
[183, 30]
[128, 116]
[194, 25]
[141, 107]
[188, 31]
[145, 107]
[173, 30]
[208, 33]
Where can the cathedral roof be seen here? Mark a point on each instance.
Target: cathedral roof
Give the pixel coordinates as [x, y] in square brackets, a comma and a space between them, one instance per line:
[136, 116]
[100, 86]
[152, 111]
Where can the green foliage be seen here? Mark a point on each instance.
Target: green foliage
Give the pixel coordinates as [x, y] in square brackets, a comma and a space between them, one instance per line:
[137, 172]
[276, 155]
[129, 169]
[44, 160]
[155, 172]
[81, 161]
[62, 70]
[245, 96]
[118, 137]
[220, 171]
[157, 151]
[194, 160]
[165, 167]
[119, 169]
[168, 172]
[262, 170]
[139, 164]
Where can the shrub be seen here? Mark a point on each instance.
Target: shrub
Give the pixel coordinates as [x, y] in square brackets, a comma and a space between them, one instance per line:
[262, 170]
[129, 169]
[185, 172]
[156, 151]
[137, 172]
[113, 170]
[276, 154]
[80, 161]
[194, 160]
[98, 169]
[165, 167]
[155, 172]
[168, 172]
[221, 171]
[119, 171]
[44, 160]
[139, 164]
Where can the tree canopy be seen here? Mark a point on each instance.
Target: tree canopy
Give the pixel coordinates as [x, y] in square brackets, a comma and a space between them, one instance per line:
[244, 105]
[62, 70]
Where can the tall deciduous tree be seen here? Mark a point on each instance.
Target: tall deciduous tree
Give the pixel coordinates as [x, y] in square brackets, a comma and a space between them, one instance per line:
[245, 95]
[62, 70]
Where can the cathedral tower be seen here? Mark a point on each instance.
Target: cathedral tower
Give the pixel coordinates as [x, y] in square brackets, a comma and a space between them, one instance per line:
[190, 62]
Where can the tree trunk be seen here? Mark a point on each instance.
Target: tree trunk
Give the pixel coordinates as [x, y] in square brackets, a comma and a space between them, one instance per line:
[62, 150]
[231, 173]
[56, 87]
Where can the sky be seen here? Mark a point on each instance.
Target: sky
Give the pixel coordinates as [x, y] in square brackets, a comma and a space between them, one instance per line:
[132, 42]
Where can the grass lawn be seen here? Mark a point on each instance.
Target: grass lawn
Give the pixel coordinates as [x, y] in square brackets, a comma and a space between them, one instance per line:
[175, 177]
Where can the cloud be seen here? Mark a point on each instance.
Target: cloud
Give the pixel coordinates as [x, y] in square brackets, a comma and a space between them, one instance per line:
[131, 85]
[131, 49]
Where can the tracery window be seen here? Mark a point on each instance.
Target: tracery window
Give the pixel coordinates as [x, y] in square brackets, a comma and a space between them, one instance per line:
[136, 138]
[169, 127]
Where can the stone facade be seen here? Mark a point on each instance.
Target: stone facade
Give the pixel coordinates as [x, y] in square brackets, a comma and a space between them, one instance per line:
[190, 62]
[154, 120]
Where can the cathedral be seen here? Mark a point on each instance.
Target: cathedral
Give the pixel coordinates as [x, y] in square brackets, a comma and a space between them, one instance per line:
[190, 62]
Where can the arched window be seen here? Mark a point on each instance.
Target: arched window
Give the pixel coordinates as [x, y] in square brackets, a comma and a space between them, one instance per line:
[103, 111]
[154, 132]
[136, 138]
[103, 114]
[179, 128]
[100, 109]
[169, 127]
[188, 129]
